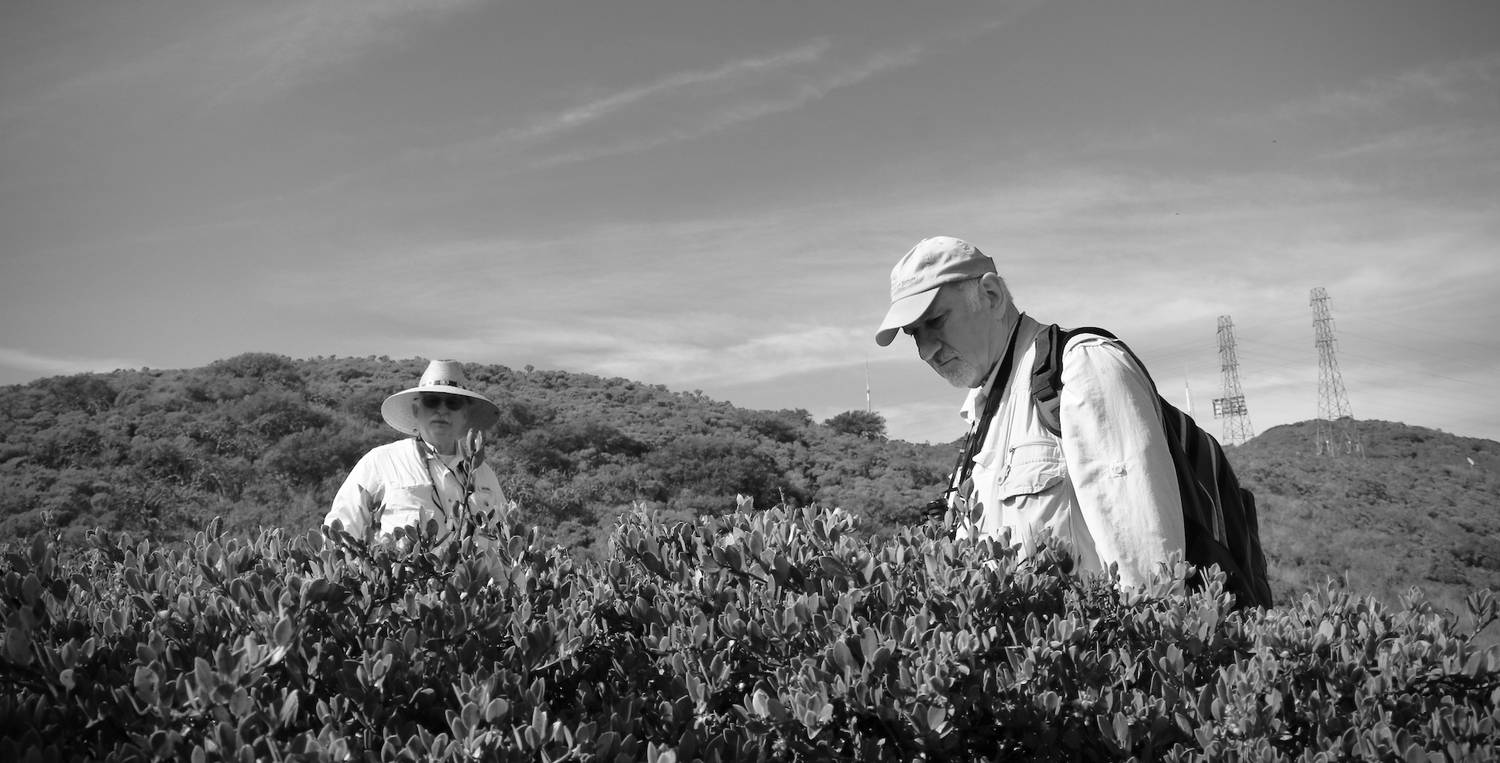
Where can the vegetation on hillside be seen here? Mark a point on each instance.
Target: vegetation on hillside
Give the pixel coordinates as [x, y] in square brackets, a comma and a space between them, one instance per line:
[264, 441]
[1420, 508]
[700, 629]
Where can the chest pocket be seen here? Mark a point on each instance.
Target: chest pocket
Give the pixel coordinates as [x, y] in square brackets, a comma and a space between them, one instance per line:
[1033, 468]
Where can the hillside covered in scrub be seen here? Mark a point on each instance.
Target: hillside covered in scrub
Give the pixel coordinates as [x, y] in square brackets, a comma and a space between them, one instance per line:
[264, 441]
[1420, 508]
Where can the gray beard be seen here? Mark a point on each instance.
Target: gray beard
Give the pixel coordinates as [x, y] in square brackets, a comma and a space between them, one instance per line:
[958, 372]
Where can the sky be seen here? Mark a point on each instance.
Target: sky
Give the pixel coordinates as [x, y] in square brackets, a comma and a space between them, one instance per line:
[710, 196]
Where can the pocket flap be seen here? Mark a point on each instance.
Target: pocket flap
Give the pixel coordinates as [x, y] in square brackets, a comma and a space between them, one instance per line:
[1033, 467]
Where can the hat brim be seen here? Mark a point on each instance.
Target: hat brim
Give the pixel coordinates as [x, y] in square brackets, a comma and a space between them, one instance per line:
[396, 410]
[903, 313]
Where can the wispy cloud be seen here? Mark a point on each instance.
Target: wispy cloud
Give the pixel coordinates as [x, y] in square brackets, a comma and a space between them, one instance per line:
[691, 104]
[33, 365]
[245, 53]
[729, 77]
[746, 104]
[649, 350]
[1453, 83]
[305, 38]
[1080, 245]
[750, 359]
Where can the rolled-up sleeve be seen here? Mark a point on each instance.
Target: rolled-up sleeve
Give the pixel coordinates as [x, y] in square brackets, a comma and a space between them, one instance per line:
[1123, 476]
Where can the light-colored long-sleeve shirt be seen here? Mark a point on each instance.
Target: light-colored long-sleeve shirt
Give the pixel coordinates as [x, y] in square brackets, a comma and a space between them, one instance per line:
[399, 485]
[1107, 485]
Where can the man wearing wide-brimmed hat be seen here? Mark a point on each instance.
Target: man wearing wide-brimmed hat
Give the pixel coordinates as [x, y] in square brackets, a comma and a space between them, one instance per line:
[410, 482]
[1106, 484]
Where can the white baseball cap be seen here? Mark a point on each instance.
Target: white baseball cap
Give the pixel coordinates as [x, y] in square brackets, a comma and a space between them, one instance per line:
[917, 276]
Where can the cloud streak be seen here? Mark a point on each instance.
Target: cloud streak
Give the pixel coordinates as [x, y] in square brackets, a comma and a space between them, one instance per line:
[752, 359]
[689, 105]
[302, 40]
[257, 54]
[730, 76]
[33, 364]
[770, 99]
[1188, 239]
[1451, 84]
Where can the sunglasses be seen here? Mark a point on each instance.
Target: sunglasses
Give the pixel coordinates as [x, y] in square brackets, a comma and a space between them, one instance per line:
[453, 402]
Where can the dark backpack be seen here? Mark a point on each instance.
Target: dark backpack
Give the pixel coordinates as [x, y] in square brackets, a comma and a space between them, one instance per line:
[1218, 515]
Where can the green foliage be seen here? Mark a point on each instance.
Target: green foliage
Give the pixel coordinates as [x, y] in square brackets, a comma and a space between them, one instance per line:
[160, 452]
[1421, 508]
[262, 440]
[866, 424]
[786, 634]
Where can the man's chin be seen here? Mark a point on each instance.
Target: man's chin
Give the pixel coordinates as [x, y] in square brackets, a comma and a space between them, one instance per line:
[959, 374]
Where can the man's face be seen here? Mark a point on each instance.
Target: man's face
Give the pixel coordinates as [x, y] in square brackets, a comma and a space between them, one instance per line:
[441, 419]
[955, 340]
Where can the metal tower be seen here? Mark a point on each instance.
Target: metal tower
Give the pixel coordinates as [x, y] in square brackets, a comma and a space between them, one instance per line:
[1231, 407]
[868, 406]
[1334, 429]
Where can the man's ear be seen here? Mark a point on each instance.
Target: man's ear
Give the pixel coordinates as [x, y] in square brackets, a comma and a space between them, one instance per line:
[992, 292]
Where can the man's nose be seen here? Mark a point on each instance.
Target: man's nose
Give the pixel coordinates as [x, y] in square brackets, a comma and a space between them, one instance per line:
[927, 345]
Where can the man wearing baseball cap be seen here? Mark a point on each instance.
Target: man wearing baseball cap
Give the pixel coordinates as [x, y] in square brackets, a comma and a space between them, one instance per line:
[1107, 485]
[413, 481]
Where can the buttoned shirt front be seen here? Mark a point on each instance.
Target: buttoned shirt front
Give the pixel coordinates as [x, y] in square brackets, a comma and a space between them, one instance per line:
[406, 484]
[1107, 485]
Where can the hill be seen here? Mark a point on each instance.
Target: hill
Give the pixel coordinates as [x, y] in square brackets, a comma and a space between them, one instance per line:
[1421, 508]
[263, 440]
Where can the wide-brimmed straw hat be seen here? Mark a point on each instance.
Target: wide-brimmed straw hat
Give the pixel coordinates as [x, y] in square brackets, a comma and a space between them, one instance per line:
[915, 279]
[443, 377]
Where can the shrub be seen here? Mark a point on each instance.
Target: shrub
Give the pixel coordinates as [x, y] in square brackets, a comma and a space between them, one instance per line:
[312, 456]
[86, 393]
[776, 635]
[864, 424]
[265, 366]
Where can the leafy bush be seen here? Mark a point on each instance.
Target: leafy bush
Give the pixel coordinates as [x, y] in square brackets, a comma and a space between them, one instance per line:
[865, 424]
[779, 635]
[85, 393]
[268, 367]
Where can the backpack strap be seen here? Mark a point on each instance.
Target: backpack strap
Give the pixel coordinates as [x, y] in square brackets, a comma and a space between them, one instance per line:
[1046, 372]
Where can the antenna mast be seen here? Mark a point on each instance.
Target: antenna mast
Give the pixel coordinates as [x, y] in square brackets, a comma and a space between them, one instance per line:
[1231, 407]
[868, 407]
[1334, 429]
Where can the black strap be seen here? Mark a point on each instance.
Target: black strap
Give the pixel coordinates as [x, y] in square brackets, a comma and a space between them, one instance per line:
[975, 439]
[1046, 372]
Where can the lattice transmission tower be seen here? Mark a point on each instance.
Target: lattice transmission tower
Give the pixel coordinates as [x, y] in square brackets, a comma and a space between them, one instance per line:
[1231, 407]
[1334, 430]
